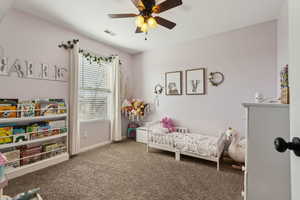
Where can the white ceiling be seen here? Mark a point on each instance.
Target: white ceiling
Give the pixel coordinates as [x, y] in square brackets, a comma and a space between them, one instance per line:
[195, 19]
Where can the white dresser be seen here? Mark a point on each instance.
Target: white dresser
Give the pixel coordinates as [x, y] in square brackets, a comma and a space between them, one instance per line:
[267, 172]
[141, 135]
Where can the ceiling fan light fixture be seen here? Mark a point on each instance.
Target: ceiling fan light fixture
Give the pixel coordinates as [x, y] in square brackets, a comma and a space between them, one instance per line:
[152, 22]
[144, 27]
[140, 21]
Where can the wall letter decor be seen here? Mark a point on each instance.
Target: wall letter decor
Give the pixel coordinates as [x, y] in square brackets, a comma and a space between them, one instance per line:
[3, 66]
[17, 68]
[27, 69]
[61, 73]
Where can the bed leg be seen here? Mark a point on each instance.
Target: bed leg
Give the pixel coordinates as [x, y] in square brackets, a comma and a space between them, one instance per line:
[218, 165]
[177, 155]
[147, 148]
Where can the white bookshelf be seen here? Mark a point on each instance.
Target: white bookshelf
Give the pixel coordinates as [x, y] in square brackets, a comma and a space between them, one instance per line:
[33, 119]
[61, 153]
[20, 171]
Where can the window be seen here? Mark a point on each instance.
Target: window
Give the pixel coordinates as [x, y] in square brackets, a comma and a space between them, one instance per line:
[95, 90]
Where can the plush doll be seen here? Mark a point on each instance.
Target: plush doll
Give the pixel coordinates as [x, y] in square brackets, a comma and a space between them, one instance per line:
[168, 123]
[30, 195]
[237, 147]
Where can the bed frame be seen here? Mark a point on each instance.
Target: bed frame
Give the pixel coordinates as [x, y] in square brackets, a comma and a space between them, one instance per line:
[171, 148]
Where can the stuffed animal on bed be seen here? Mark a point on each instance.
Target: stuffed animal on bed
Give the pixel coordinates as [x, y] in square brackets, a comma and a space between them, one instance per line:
[168, 123]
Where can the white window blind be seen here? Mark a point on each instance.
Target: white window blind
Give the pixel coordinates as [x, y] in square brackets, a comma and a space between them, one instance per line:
[95, 91]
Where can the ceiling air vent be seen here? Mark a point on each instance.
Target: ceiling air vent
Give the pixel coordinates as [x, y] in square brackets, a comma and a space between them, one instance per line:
[109, 32]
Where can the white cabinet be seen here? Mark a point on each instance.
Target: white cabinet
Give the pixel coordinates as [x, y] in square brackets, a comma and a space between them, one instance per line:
[267, 172]
[141, 134]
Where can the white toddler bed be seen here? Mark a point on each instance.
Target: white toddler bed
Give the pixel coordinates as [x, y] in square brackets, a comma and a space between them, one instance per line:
[191, 144]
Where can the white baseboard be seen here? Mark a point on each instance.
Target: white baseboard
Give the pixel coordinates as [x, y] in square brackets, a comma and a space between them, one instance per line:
[94, 146]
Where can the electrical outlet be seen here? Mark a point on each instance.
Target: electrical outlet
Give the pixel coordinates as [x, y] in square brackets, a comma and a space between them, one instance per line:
[85, 134]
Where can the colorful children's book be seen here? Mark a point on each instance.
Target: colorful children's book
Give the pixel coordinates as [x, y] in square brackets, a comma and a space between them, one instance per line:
[28, 154]
[4, 133]
[61, 105]
[58, 124]
[26, 109]
[13, 158]
[8, 108]
[20, 134]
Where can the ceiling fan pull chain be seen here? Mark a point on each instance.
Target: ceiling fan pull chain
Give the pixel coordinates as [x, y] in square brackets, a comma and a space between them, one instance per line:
[146, 34]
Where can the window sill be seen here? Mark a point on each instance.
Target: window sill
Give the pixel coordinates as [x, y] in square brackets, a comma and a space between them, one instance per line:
[94, 120]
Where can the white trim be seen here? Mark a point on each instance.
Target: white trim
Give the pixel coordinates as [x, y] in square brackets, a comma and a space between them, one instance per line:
[9, 145]
[94, 146]
[33, 119]
[20, 171]
[94, 120]
[265, 105]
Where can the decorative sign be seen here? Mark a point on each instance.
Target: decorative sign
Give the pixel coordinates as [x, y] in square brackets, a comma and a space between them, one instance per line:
[27, 69]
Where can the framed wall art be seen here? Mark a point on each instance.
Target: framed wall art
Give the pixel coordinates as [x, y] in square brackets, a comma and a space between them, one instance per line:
[173, 83]
[195, 81]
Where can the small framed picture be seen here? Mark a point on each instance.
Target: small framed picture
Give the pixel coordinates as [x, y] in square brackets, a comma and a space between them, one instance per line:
[173, 83]
[195, 81]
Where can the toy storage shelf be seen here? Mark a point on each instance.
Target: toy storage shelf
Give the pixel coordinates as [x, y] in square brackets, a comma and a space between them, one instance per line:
[5, 146]
[20, 171]
[32, 119]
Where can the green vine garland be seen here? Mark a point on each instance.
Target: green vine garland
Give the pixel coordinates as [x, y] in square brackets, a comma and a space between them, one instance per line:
[98, 59]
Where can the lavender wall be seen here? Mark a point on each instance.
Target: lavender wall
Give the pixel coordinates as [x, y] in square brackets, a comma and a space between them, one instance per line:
[26, 37]
[247, 57]
[282, 40]
[4, 7]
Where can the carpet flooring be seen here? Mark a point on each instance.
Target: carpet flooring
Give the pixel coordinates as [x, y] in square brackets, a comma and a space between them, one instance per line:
[125, 171]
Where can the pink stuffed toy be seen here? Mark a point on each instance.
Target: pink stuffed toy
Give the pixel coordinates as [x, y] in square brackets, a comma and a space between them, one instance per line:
[168, 123]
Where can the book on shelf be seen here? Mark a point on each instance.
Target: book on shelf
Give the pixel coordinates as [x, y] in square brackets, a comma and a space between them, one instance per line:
[16, 135]
[13, 158]
[26, 109]
[14, 108]
[5, 133]
[8, 108]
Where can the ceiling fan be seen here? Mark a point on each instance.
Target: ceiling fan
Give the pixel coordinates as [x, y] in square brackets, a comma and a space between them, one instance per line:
[146, 8]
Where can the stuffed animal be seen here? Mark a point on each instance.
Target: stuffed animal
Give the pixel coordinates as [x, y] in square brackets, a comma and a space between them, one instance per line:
[168, 123]
[30, 195]
[237, 147]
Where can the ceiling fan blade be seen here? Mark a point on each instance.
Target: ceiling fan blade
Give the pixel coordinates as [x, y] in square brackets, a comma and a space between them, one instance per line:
[166, 23]
[167, 5]
[138, 4]
[138, 30]
[122, 15]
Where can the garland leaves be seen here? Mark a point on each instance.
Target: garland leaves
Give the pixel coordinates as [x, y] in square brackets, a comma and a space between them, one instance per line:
[98, 59]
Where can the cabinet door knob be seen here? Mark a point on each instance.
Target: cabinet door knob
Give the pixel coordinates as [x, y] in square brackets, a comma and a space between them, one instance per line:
[281, 145]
